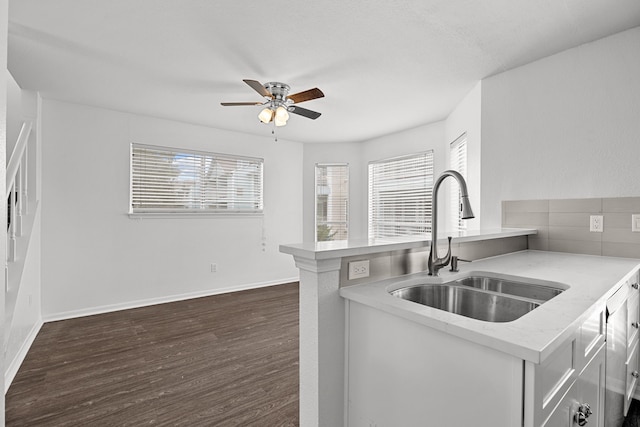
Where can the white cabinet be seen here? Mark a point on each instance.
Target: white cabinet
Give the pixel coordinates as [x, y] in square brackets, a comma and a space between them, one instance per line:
[571, 376]
[633, 319]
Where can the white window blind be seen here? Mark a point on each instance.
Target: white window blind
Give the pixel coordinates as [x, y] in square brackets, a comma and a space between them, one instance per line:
[332, 201]
[166, 180]
[458, 162]
[400, 196]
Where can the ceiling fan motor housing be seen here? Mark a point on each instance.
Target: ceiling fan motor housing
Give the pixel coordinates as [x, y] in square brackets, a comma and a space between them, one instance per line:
[279, 92]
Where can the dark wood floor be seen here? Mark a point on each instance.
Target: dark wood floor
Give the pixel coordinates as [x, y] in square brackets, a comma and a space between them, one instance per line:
[225, 360]
[633, 416]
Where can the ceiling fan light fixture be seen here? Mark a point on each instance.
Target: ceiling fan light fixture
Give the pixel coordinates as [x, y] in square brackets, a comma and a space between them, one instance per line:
[281, 116]
[266, 115]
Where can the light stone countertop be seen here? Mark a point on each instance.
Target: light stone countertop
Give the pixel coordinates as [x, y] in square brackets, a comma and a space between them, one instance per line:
[588, 280]
[347, 248]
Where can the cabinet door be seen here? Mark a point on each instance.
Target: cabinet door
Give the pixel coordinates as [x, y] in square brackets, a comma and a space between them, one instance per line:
[632, 377]
[591, 389]
[562, 416]
[588, 389]
[632, 318]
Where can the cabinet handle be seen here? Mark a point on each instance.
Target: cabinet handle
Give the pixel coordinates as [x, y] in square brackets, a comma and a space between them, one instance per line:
[635, 374]
[581, 417]
[635, 286]
[635, 325]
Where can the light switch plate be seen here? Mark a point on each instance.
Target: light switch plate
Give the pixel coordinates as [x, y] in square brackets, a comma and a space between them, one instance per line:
[358, 269]
[596, 223]
[635, 222]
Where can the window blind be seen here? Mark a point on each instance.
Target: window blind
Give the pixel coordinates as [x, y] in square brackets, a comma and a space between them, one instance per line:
[458, 162]
[332, 202]
[166, 180]
[400, 196]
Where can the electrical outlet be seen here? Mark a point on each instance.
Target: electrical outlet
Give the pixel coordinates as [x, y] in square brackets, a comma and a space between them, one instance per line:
[358, 269]
[214, 268]
[635, 222]
[596, 223]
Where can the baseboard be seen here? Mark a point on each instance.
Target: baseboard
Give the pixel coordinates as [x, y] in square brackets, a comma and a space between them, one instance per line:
[161, 300]
[15, 364]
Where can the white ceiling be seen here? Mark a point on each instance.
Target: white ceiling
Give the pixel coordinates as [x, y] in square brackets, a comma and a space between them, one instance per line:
[384, 66]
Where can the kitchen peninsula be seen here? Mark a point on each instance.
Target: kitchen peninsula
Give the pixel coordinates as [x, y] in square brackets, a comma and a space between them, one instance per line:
[322, 310]
[365, 321]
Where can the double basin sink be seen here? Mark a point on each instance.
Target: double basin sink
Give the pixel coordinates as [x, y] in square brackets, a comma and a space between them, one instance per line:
[481, 297]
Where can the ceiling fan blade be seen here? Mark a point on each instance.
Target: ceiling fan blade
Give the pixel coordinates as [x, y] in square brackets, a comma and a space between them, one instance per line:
[234, 104]
[258, 87]
[304, 112]
[307, 95]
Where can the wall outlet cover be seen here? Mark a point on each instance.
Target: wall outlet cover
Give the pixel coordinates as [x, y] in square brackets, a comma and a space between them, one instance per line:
[358, 269]
[596, 223]
[635, 222]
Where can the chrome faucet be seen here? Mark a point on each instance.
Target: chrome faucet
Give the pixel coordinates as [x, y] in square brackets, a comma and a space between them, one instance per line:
[434, 264]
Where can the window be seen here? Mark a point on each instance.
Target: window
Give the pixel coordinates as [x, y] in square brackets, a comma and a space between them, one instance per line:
[400, 196]
[332, 201]
[458, 155]
[166, 180]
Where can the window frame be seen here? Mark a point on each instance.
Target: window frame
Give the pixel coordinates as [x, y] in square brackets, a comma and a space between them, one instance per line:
[423, 194]
[457, 145]
[186, 212]
[315, 198]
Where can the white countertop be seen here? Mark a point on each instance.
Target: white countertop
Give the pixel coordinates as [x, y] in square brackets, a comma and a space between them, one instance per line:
[345, 248]
[589, 281]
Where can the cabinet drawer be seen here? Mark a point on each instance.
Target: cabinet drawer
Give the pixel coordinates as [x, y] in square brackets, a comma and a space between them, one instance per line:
[632, 377]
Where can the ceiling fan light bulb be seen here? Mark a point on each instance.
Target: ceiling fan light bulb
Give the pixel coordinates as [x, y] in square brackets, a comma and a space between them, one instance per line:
[266, 115]
[282, 115]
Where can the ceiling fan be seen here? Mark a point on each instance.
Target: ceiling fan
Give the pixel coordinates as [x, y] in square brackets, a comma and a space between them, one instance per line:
[279, 103]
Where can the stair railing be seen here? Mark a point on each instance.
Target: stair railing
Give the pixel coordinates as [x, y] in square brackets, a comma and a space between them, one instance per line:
[17, 196]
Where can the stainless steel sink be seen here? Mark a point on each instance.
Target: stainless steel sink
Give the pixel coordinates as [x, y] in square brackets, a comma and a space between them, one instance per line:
[479, 297]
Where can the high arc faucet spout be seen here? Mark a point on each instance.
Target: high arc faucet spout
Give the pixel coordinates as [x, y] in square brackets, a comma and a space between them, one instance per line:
[434, 264]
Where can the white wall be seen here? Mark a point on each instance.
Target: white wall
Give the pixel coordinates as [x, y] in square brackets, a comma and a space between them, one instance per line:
[95, 258]
[466, 118]
[565, 126]
[14, 110]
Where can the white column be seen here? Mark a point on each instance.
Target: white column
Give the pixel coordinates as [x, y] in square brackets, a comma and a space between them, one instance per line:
[322, 345]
